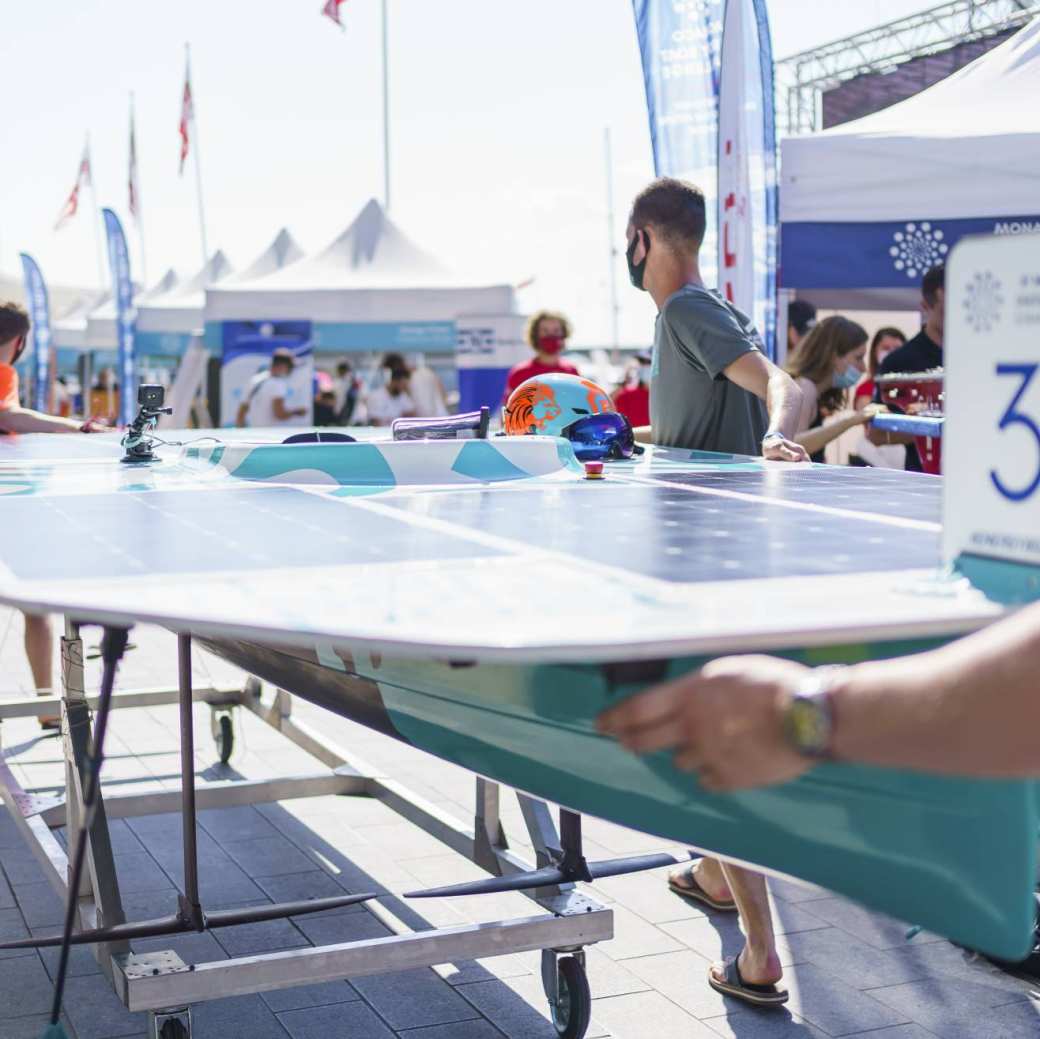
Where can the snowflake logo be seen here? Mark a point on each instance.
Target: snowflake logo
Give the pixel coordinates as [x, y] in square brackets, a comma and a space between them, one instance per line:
[918, 248]
[983, 302]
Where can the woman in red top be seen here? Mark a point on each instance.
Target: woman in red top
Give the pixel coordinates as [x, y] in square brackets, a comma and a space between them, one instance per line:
[884, 342]
[547, 334]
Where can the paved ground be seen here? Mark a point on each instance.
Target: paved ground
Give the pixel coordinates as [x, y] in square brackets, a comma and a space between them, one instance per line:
[850, 972]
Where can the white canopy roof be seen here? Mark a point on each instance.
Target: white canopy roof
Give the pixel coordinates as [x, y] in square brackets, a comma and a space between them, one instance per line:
[966, 147]
[869, 206]
[282, 251]
[69, 332]
[100, 323]
[180, 309]
[371, 272]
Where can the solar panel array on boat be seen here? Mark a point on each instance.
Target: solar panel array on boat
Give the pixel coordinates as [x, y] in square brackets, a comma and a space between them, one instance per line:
[494, 549]
[675, 534]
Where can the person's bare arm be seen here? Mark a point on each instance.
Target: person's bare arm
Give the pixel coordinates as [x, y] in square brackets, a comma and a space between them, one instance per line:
[643, 434]
[25, 420]
[755, 373]
[282, 413]
[817, 439]
[240, 418]
[969, 708]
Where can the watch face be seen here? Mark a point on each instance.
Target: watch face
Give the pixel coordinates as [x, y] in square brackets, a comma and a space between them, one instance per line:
[808, 726]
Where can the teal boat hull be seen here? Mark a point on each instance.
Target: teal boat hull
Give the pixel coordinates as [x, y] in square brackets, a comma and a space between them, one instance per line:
[954, 856]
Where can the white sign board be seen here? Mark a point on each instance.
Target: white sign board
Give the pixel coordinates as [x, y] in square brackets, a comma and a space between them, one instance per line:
[991, 439]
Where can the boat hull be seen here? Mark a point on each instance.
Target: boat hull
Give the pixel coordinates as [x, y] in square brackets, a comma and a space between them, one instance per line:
[955, 856]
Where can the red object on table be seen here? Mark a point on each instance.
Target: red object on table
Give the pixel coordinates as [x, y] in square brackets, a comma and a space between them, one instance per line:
[918, 393]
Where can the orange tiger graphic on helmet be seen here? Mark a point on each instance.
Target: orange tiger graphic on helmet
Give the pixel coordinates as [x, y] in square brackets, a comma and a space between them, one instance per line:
[599, 402]
[531, 406]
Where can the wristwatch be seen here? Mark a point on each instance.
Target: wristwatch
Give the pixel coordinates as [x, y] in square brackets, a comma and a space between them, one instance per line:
[775, 435]
[808, 719]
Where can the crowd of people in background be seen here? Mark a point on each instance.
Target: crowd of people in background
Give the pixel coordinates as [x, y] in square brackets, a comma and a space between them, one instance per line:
[833, 360]
[402, 390]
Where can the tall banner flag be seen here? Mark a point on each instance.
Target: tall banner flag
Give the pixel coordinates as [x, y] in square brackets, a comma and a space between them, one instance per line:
[747, 167]
[680, 47]
[83, 179]
[123, 294]
[331, 10]
[40, 314]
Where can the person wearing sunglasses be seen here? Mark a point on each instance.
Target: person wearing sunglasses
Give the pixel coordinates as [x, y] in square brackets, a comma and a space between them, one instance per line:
[14, 335]
[711, 389]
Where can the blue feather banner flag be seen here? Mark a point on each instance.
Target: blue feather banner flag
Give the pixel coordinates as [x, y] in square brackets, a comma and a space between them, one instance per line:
[123, 294]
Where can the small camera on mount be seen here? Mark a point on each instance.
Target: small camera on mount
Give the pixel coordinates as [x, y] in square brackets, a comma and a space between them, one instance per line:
[151, 398]
[138, 444]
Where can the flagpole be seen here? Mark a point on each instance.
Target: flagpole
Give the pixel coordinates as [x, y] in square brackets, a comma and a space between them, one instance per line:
[96, 220]
[136, 189]
[608, 156]
[198, 167]
[386, 114]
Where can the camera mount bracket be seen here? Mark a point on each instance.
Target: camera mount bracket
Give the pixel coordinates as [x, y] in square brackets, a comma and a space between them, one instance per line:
[138, 443]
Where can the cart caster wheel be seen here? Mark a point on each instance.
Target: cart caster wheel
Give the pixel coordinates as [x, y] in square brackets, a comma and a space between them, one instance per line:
[174, 1030]
[224, 737]
[573, 1010]
[252, 688]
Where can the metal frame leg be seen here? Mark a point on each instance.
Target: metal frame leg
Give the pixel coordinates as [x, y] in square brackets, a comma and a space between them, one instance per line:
[100, 902]
[489, 838]
[190, 903]
[541, 829]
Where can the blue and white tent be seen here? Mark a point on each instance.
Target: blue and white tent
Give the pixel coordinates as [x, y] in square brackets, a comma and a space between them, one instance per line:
[867, 207]
[371, 288]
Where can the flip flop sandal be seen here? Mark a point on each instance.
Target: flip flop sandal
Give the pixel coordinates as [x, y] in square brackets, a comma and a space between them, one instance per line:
[735, 986]
[693, 891]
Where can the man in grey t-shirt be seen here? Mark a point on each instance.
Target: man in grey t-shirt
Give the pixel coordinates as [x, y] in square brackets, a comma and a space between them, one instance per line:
[692, 402]
[711, 389]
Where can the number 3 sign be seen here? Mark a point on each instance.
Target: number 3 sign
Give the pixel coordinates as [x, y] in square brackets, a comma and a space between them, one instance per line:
[991, 439]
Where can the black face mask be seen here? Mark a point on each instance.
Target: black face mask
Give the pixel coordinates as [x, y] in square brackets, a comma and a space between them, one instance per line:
[637, 270]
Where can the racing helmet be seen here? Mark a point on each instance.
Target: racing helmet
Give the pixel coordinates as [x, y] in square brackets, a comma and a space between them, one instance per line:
[561, 405]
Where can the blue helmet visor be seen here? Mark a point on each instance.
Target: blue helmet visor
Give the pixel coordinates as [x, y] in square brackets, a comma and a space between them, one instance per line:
[601, 438]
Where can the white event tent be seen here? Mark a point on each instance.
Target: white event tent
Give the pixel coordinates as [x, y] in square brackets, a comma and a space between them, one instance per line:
[166, 321]
[100, 327]
[867, 207]
[69, 332]
[282, 251]
[372, 288]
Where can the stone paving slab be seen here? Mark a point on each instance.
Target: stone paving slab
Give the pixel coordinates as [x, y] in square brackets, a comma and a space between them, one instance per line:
[850, 972]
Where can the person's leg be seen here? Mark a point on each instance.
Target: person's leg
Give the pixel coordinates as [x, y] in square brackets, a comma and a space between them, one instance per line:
[758, 962]
[706, 874]
[39, 648]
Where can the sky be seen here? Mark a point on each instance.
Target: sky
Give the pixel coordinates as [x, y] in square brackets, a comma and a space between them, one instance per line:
[498, 119]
